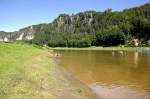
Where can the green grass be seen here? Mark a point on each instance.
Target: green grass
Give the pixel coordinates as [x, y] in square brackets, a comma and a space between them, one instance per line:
[23, 69]
[29, 72]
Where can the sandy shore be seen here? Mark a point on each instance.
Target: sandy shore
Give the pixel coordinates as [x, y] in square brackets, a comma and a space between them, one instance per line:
[106, 48]
[65, 86]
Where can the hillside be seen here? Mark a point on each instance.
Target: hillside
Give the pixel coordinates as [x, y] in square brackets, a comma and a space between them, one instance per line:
[89, 28]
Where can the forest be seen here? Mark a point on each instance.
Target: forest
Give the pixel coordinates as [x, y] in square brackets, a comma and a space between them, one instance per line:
[91, 28]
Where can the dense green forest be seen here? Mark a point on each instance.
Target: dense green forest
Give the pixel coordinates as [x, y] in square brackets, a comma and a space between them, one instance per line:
[91, 28]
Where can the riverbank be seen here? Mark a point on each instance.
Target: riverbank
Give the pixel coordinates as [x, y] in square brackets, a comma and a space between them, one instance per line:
[110, 74]
[30, 72]
[104, 48]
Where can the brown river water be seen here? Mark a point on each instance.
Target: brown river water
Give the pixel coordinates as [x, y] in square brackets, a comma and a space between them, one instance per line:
[110, 74]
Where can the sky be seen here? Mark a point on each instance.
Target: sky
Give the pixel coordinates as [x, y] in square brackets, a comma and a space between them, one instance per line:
[17, 14]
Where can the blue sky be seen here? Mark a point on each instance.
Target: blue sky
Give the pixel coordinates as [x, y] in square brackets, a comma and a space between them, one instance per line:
[16, 14]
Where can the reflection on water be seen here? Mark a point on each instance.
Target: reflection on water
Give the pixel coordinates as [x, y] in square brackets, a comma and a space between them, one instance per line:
[136, 55]
[111, 72]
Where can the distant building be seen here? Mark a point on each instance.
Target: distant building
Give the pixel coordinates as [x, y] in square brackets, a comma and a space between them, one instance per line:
[5, 39]
[136, 41]
[148, 42]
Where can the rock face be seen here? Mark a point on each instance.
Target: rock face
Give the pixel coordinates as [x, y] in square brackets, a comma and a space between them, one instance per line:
[26, 34]
[22, 34]
[73, 20]
[63, 21]
[89, 22]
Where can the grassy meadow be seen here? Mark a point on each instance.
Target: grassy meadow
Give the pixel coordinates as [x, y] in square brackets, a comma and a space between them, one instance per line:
[23, 69]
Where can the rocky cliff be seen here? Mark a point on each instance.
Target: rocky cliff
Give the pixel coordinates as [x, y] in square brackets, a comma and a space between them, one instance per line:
[89, 26]
[63, 21]
[23, 34]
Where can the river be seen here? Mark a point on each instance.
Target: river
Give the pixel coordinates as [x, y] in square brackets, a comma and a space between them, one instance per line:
[110, 74]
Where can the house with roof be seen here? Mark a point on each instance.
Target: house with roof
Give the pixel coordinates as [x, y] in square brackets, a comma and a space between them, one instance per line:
[135, 41]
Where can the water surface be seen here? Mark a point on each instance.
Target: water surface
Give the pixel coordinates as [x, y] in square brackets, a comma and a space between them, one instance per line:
[110, 74]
